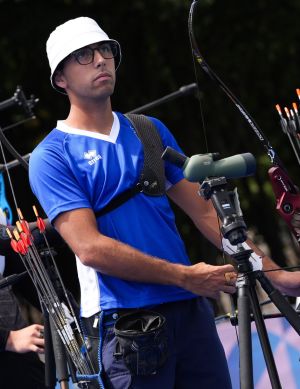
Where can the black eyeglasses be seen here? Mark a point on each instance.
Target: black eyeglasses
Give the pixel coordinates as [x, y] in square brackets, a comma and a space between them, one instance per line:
[85, 55]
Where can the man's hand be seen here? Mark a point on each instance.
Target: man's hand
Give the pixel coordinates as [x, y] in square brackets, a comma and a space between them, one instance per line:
[27, 339]
[208, 281]
[285, 281]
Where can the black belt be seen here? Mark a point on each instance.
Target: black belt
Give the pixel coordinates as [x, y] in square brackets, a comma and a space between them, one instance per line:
[91, 324]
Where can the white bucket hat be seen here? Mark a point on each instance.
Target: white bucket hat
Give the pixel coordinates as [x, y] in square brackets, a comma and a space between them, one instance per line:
[73, 35]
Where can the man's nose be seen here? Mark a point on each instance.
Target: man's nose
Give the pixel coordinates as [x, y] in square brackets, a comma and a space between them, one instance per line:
[98, 59]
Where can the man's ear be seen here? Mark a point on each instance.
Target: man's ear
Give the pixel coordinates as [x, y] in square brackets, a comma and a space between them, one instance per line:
[59, 79]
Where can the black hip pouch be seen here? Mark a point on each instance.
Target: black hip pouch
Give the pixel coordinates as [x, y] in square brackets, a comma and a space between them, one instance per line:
[142, 341]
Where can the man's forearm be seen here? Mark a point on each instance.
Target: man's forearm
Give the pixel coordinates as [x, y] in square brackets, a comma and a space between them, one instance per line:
[122, 261]
[111, 257]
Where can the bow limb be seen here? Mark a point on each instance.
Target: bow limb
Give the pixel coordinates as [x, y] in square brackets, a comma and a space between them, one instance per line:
[286, 192]
[18, 99]
[208, 70]
[12, 150]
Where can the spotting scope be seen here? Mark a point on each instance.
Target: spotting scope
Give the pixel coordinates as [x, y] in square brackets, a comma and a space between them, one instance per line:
[201, 166]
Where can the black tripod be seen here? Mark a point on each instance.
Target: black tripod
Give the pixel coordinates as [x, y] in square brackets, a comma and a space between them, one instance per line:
[234, 229]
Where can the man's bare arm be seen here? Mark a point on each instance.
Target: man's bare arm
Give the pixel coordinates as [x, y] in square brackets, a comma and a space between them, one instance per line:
[109, 256]
[185, 195]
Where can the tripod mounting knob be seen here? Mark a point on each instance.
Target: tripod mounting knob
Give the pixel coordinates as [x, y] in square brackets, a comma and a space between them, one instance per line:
[234, 229]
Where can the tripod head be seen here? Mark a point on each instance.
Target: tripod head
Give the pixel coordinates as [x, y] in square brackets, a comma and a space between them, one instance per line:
[227, 205]
[234, 228]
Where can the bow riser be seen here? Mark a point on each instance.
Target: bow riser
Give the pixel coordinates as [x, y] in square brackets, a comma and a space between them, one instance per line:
[287, 202]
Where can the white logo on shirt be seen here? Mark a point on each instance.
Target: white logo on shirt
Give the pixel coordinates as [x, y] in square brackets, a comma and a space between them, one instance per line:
[92, 156]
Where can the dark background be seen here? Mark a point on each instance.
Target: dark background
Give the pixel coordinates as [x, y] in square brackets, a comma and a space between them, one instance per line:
[254, 48]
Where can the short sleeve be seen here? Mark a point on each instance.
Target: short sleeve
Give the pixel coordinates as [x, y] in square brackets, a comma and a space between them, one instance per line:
[54, 184]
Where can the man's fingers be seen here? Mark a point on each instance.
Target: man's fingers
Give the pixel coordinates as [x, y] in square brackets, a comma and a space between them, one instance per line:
[230, 278]
[227, 268]
[38, 350]
[40, 333]
[39, 342]
[229, 289]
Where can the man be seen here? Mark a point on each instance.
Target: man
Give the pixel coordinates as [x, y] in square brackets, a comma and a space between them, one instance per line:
[131, 257]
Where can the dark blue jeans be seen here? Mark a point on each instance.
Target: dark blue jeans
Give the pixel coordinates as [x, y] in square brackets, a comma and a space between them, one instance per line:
[196, 356]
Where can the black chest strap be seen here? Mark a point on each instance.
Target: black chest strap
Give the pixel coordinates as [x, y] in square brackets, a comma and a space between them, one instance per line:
[152, 178]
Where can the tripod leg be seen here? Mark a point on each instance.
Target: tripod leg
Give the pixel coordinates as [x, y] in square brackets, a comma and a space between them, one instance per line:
[62, 373]
[245, 345]
[280, 302]
[264, 339]
[50, 376]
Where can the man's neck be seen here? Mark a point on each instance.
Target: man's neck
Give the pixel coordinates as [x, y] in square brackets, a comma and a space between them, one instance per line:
[92, 117]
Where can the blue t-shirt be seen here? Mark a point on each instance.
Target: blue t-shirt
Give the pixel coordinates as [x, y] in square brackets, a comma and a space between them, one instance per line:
[73, 168]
